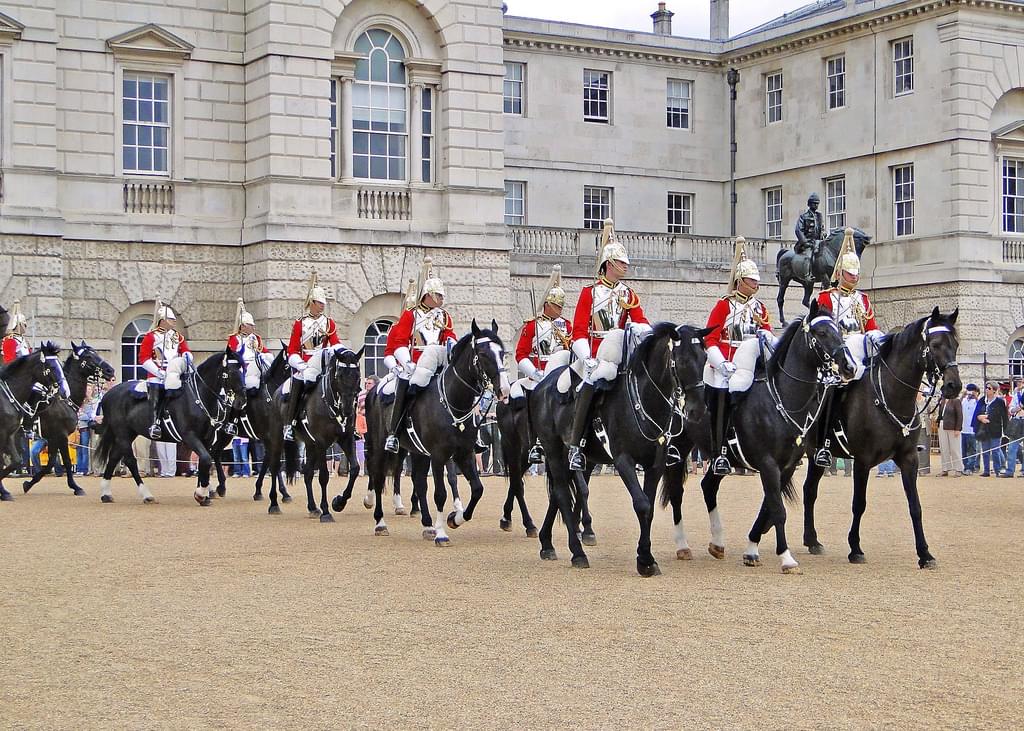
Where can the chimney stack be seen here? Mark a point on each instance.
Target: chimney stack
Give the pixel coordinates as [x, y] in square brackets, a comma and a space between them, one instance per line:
[662, 20]
[719, 20]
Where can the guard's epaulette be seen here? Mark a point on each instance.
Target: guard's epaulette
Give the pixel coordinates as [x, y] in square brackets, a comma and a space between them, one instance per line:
[448, 323]
[631, 300]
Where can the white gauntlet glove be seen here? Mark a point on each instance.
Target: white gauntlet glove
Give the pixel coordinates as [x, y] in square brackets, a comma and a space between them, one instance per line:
[727, 368]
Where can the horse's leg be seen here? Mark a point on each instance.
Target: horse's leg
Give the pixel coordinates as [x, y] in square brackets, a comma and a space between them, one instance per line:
[780, 299]
[771, 480]
[258, 495]
[438, 468]
[808, 290]
[675, 499]
[128, 455]
[476, 486]
[861, 473]
[222, 484]
[325, 478]
[558, 469]
[341, 500]
[643, 506]
[43, 471]
[752, 555]
[909, 467]
[69, 473]
[312, 460]
[113, 457]
[709, 486]
[811, 482]
[587, 535]
[377, 472]
[202, 492]
[420, 465]
[452, 475]
[547, 548]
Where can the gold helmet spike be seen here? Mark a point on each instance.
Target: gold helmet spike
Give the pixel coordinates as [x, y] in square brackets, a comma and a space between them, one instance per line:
[157, 304]
[410, 294]
[847, 260]
[554, 292]
[429, 283]
[610, 247]
[242, 316]
[18, 319]
[316, 293]
[742, 266]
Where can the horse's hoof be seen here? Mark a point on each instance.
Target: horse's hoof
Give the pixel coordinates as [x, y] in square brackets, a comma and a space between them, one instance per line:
[149, 500]
[337, 504]
[326, 518]
[381, 530]
[684, 554]
[286, 498]
[749, 560]
[258, 497]
[368, 502]
[716, 551]
[580, 562]
[531, 532]
[199, 498]
[451, 521]
[274, 510]
[414, 513]
[589, 539]
[106, 498]
[816, 549]
[77, 492]
[442, 541]
[792, 570]
[8, 498]
[206, 502]
[429, 533]
[401, 511]
[648, 570]
[505, 525]
[928, 563]
[222, 490]
[26, 486]
[314, 513]
[548, 554]
[857, 558]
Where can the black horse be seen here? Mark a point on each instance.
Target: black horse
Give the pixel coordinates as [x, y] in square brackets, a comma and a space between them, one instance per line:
[807, 270]
[210, 396]
[330, 413]
[60, 418]
[771, 421]
[663, 372]
[516, 440]
[880, 420]
[443, 428]
[27, 384]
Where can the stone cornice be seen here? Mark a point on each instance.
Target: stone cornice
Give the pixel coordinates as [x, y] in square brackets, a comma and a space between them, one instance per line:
[604, 49]
[423, 71]
[10, 29]
[152, 43]
[344, 64]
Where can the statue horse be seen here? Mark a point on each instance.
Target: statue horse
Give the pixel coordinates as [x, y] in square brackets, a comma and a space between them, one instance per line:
[440, 426]
[329, 415]
[211, 396]
[664, 371]
[60, 418]
[771, 420]
[880, 420]
[27, 385]
[791, 266]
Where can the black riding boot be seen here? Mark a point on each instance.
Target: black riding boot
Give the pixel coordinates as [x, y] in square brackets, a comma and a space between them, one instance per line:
[720, 464]
[157, 396]
[580, 421]
[295, 394]
[823, 456]
[397, 415]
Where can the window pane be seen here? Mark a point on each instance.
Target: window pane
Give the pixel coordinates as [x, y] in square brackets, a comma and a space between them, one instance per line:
[145, 135]
[145, 159]
[379, 168]
[160, 89]
[128, 87]
[160, 112]
[129, 158]
[160, 160]
[379, 37]
[145, 111]
[128, 110]
[145, 89]
[360, 142]
[378, 144]
[128, 132]
[378, 66]
[360, 166]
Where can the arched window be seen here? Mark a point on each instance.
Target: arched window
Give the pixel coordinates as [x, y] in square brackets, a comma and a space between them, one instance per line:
[131, 369]
[379, 98]
[374, 341]
[1016, 358]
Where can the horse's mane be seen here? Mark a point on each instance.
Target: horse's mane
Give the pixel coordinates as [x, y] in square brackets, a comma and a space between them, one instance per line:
[460, 345]
[213, 362]
[15, 367]
[659, 331]
[901, 339]
[774, 364]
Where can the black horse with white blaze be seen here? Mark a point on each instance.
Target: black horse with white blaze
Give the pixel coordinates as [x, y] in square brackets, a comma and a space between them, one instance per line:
[638, 412]
[27, 384]
[60, 418]
[440, 426]
[879, 419]
[211, 396]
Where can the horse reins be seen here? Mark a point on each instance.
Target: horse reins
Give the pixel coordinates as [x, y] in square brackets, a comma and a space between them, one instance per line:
[459, 421]
[633, 391]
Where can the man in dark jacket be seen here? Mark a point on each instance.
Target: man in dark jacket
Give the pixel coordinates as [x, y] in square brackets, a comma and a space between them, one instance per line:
[992, 422]
[951, 422]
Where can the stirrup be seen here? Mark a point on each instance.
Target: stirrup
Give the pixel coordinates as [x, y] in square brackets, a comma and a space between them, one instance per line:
[672, 456]
[576, 461]
[823, 457]
[289, 433]
[155, 432]
[391, 444]
[721, 466]
[536, 455]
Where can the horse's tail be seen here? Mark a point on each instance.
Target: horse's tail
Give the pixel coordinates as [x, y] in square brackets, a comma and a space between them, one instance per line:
[291, 461]
[672, 483]
[789, 492]
[102, 445]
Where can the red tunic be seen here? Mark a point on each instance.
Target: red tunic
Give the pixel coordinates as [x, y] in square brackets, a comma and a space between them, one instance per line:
[720, 336]
[401, 335]
[146, 347]
[11, 347]
[527, 345]
[582, 317]
[830, 299]
[295, 343]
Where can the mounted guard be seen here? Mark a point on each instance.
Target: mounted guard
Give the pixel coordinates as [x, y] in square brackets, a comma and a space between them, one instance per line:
[312, 334]
[602, 313]
[417, 344]
[810, 229]
[739, 319]
[165, 356]
[249, 345]
[14, 346]
[544, 345]
[853, 313]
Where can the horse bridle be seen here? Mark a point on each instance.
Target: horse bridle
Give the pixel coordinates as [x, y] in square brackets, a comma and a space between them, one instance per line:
[335, 401]
[678, 393]
[46, 394]
[224, 402]
[480, 374]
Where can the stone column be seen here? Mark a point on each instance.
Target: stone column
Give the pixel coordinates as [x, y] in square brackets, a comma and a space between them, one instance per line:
[416, 134]
[345, 125]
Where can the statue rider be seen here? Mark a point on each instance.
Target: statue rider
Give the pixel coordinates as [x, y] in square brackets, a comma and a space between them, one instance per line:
[810, 229]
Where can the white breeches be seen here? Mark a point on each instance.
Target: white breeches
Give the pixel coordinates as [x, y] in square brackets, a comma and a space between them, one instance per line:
[387, 385]
[855, 343]
[432, 358]
[744, 358]
[314, 367]
[175, 368]
[609, 356]
[526, 383]
[252, 375]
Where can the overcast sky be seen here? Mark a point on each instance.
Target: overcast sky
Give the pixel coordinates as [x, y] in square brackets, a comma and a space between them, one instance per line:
[691, 16]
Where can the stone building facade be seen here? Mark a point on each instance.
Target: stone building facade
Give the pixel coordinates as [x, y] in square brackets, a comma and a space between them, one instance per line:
[206, 152]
